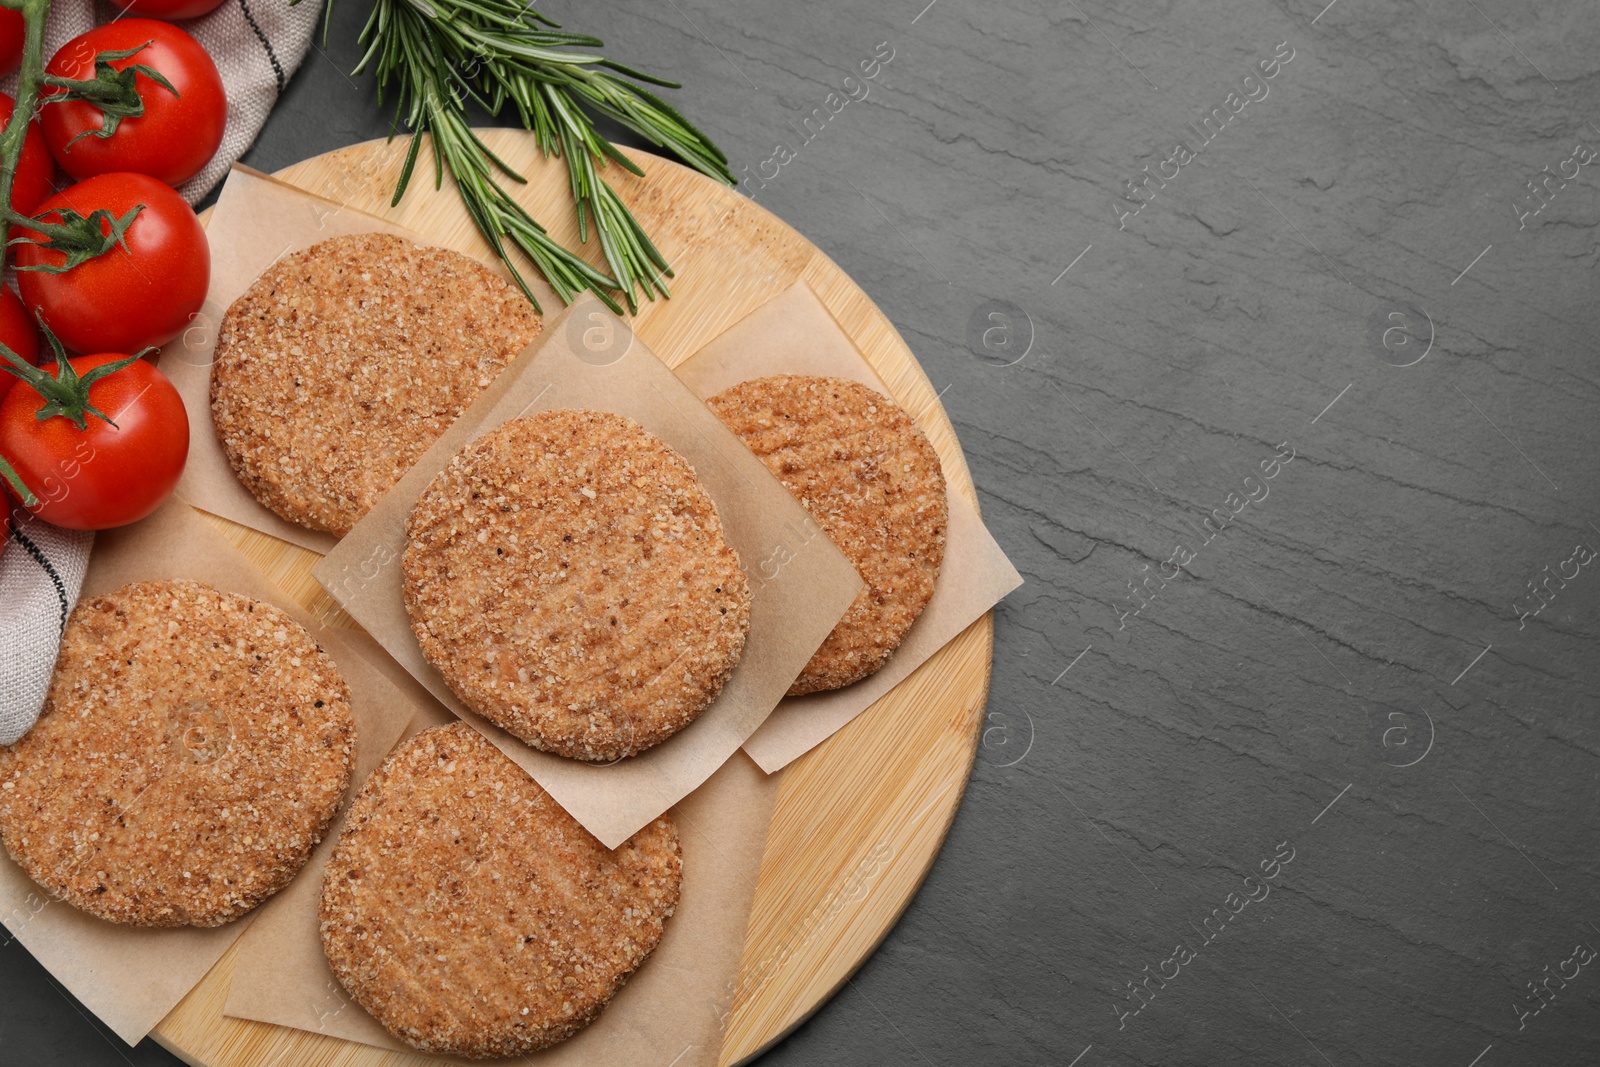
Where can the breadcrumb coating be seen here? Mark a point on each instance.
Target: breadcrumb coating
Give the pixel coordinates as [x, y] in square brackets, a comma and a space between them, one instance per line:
[872, 481]
[344, 362]
[472, 916]
[568, 576]
[193, 747]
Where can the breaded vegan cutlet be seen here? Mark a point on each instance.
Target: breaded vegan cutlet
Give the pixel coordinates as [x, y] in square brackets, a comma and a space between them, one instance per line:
[343, 362]
[872, 481]
[472, 916]
[569, 577]
[193, 747]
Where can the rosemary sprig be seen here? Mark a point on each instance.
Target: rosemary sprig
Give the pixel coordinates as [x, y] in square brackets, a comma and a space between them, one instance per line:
[443, 55]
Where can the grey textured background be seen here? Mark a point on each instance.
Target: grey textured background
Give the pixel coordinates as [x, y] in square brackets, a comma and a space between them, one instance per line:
[1343, 668]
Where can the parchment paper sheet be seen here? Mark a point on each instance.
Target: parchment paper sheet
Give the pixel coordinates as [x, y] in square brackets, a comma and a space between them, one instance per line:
[794, 334]
[257, 221]
[132, 977]
[800, 583]
[671, 1010]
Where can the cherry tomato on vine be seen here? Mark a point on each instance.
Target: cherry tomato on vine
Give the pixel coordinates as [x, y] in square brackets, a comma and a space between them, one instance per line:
[36, 171]
[18, 333]
[127, 298]
[180, 128]
[11, 31]
[169, 9]
[101, 475]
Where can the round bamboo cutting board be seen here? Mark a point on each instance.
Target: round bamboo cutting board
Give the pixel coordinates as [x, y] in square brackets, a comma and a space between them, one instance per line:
[885, 786]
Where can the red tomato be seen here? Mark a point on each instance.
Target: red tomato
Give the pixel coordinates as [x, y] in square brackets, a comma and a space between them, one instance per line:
[36, 172]
[169, 9]
[10, 40]
[18, 333]
[103, 475]
[123, 300]
[175, 137]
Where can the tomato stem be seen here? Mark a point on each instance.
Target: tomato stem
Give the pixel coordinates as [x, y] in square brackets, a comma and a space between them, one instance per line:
[65, 393]
[113, 92]
[74, 235]
[11, 141]
[78, 238]
[29, 80]
[18, 486]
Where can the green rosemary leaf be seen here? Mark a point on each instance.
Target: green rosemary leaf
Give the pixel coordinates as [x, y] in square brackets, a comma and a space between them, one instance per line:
[406, 168]
[639, 75]
[439, 57]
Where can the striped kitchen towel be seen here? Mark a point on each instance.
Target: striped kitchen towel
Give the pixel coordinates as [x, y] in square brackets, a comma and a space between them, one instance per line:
[41, 571]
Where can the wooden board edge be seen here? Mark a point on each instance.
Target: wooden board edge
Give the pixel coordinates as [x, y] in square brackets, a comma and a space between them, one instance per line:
[875, 333]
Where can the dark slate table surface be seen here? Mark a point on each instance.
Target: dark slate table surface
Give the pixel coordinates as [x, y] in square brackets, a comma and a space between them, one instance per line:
[1287, 760]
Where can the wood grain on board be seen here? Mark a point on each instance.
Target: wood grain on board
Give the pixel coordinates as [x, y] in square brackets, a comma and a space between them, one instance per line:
[860, 818]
